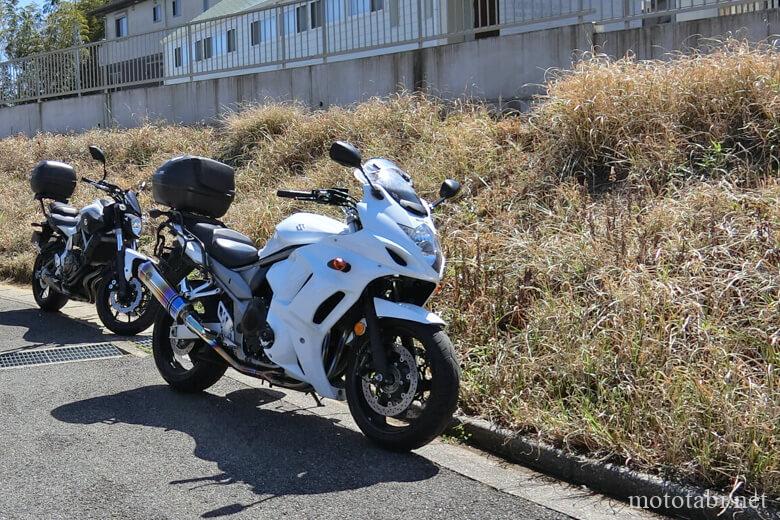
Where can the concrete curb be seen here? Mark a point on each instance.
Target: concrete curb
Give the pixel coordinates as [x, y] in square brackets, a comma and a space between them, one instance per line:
[609, 479]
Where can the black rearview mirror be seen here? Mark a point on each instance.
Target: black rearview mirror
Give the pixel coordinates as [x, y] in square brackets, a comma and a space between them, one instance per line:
[97, 154]
[449, 189]
[345, 154]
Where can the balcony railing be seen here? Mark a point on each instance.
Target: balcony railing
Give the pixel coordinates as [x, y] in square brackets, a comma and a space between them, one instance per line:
[299, 33]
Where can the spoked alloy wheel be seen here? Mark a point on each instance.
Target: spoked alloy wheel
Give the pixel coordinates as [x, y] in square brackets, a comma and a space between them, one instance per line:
[47, 298]
[415, 403]
[186, 365]
[128, 315]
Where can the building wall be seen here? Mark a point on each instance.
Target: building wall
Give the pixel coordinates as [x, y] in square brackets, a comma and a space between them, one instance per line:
[495, 69]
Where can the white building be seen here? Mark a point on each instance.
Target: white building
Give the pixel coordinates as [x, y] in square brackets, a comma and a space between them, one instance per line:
[133, 31]
[242, 36]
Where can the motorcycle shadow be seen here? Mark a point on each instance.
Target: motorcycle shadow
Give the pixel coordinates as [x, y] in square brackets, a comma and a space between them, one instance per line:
[49, 328]
[254, 440]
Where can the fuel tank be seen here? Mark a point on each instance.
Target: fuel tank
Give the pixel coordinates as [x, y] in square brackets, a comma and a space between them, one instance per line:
[301, 229]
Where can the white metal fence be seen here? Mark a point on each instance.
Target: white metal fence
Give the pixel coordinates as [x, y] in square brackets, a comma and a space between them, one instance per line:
[312, 31]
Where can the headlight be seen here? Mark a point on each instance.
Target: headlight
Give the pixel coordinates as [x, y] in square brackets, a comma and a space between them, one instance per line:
[136, 224]
[426, 240]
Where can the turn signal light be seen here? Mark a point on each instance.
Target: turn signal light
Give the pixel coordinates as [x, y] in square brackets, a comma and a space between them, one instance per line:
[339, 264]
[360, 328]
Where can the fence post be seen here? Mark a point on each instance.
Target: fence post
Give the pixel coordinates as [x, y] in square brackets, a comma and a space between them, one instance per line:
[283, 35]
[324, 27]
[77, 61]
[420, 23]
[190, 51]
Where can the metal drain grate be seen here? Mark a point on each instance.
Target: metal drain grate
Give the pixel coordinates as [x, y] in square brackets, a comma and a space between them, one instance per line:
[144, 343]
[24, 358]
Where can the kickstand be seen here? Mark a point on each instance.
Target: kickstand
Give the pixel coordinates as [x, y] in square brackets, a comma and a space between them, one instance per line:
[317, 400]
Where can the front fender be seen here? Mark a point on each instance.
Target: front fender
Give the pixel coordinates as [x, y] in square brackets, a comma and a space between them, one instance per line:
[132, 259]
[406, 311]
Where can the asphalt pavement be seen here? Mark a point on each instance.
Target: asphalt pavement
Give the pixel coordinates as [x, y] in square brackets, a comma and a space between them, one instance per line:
[108, 439]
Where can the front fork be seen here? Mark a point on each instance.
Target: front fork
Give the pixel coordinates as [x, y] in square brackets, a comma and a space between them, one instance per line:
[119, 268]
[378, 354]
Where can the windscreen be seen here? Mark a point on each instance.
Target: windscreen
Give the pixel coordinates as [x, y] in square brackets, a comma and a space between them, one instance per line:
[398, 183]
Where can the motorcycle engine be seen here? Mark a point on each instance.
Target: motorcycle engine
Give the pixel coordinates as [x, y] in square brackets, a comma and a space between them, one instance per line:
[258, 335]
[71, 264]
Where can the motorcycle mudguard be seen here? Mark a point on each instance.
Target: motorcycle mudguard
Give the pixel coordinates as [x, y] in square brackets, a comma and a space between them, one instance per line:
[406, 311]
[132, 259]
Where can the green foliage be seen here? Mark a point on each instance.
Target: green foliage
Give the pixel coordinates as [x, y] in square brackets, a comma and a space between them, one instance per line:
[30, 29]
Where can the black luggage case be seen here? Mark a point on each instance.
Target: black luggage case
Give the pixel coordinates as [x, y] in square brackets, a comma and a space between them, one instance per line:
[195, 184]
[53, 180]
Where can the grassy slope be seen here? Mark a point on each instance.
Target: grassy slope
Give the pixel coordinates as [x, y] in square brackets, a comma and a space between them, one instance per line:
[613, 268]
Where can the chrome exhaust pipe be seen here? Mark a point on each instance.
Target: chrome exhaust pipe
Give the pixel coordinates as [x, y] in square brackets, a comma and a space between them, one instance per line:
[178, 307]
[173, 303]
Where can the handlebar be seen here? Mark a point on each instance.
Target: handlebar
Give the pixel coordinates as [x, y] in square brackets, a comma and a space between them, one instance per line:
[300, 195]
[331, 197]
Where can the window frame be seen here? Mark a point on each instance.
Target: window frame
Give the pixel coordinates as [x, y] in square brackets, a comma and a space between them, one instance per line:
[255, 34]
[208, 50]
[178, 57]
[118, 18]
[156, 13]
[175, 8]
[231, 44]
[315, 14]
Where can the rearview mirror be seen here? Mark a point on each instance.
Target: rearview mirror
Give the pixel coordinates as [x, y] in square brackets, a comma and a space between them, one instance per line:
[449, 189]
[345, 154]
[97, 154]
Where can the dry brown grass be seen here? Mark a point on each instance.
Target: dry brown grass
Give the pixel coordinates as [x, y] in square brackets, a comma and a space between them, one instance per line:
[613, 266]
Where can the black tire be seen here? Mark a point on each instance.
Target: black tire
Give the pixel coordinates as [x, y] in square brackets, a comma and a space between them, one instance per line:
[47, 298]
[134, 323]
[207, 367]
[425, 423]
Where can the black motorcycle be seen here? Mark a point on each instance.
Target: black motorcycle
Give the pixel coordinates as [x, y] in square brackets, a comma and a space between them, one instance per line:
[81, 252]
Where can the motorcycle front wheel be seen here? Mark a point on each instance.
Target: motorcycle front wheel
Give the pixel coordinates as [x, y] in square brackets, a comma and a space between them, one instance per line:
[128, 315]
[415, 402]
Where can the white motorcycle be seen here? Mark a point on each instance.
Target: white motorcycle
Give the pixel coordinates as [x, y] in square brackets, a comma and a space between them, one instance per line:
[326, 307]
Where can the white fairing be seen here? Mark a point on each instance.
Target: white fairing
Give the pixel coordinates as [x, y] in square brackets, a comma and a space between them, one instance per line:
[303, 281]
[299, 229]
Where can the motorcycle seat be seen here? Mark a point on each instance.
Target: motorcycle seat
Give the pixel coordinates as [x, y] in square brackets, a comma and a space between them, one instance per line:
[60, 208]
[64, 220]
[229, 252]
[229, 248]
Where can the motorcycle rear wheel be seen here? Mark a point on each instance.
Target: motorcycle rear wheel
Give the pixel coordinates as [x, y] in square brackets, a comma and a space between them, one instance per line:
[47, 298]
[416, 404]
[187, 366]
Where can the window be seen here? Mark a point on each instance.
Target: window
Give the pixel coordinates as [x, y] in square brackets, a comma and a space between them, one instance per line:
[198, 50]
[157, 13]
[254, 33]
[315, 10]
[175, 8]
[428, 8]
[301, 19]
[120, 26]
[231, 40]
[364, 6]
[177, 57]
[334, 10]
[204, 49]
[205, 5]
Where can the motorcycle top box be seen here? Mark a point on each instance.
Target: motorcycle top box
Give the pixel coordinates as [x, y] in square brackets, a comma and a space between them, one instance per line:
[53, 180]
[195, 184]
